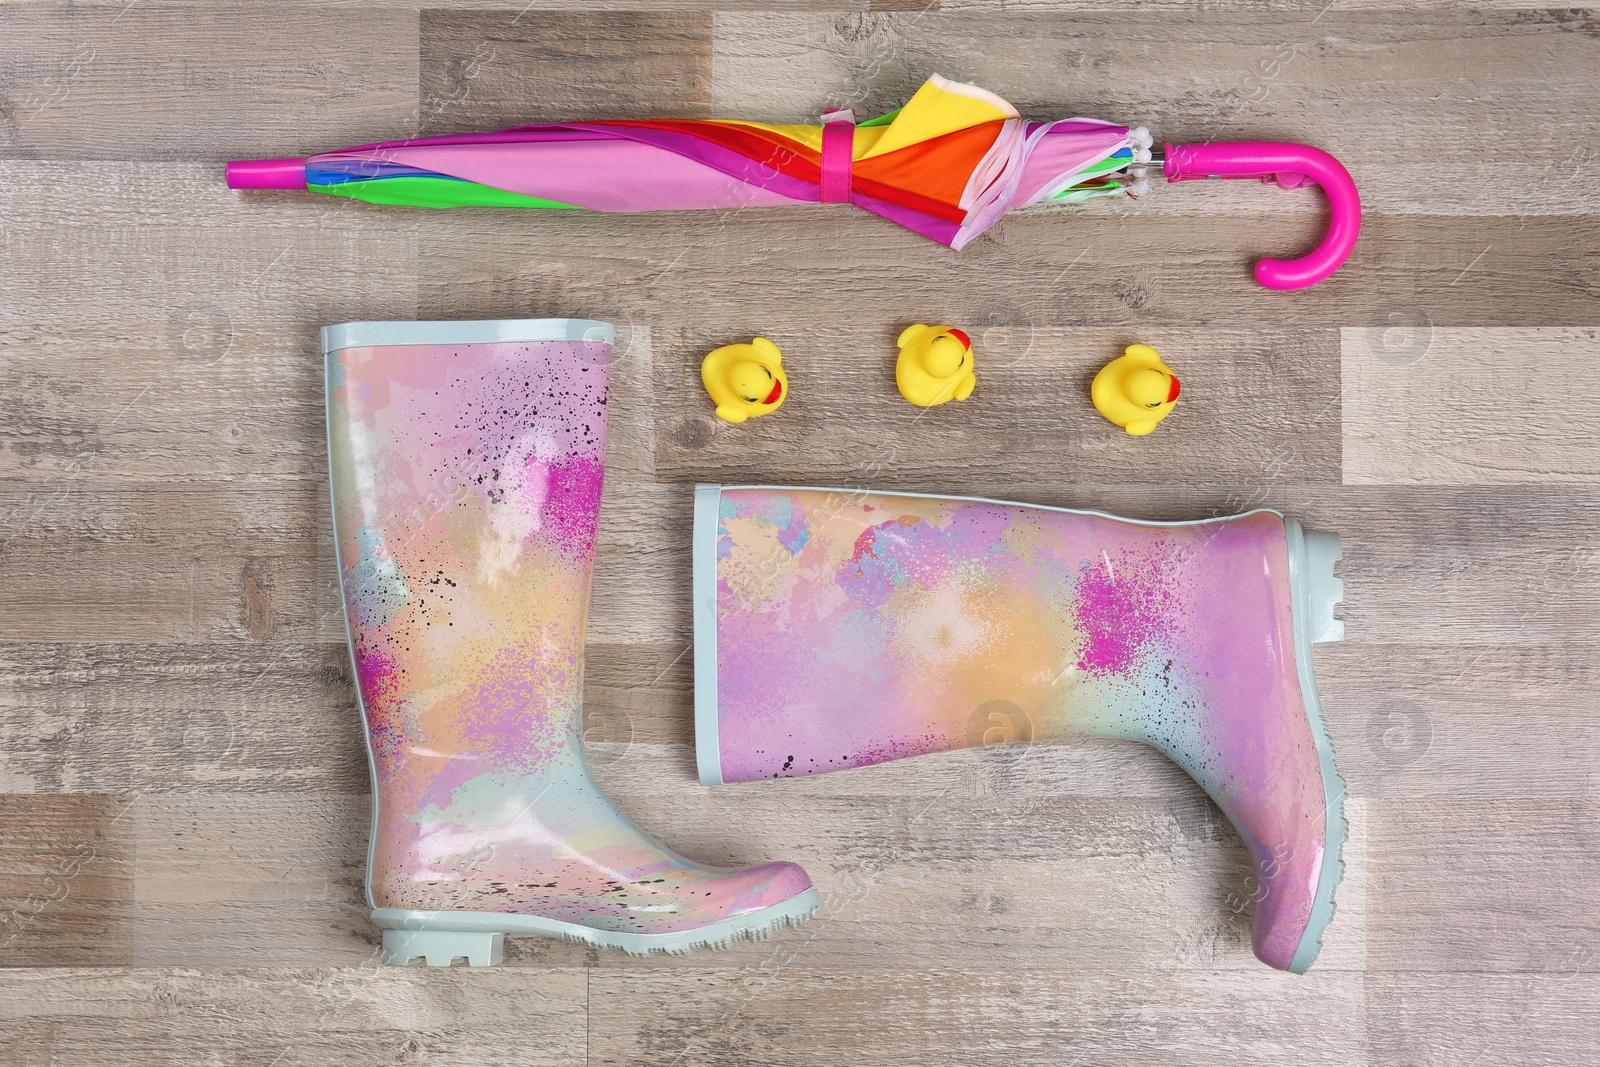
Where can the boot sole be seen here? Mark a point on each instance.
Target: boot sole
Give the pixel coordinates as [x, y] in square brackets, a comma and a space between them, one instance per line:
[439, 938]
[1314, 593]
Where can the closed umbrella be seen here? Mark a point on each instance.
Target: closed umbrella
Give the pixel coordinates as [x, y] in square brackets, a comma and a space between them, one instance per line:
[947, 165]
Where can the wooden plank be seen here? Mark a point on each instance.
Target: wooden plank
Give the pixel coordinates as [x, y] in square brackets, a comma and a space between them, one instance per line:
[181, 561]
[227, 299]
[205, 717]
[1484, 567]
[797, 1015]
[237, 719]
[171, 633]
[141, 592]
[638, 693]
[125, 305]
[1204, 75]
[630, 410]
[241, 719]
[845, 420]
[1443, 406]
[485, 70]
[128, 82]
[354, 1015]
[252, 880]
[1474, 724]
[1550, 1017]
[694, 269]
[1307, 9]
[1488, 567]
[641, 569]
[205, 582]
[66, 880]
[262, 422]
[1503, 886]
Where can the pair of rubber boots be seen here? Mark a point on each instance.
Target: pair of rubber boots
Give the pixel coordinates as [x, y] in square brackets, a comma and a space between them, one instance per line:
[832, 630]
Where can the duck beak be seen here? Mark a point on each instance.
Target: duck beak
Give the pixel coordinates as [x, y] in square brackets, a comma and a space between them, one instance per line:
[962, 337]
[777, 391]
[1172, 394]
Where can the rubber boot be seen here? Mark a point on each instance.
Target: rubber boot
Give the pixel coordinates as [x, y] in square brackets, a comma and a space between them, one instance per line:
[467, 460]
[837, 629]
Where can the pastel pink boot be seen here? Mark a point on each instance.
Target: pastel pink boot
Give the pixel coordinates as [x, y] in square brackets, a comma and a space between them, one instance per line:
[467, 459]
[837, 629]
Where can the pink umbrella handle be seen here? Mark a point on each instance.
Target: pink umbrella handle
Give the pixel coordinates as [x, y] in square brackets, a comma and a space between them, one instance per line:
[1290, 166]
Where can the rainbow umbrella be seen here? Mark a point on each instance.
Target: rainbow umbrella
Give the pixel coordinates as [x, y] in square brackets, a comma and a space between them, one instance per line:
[947, 165]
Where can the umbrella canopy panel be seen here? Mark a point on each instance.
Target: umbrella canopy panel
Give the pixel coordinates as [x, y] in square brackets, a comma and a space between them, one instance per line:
[947, 165]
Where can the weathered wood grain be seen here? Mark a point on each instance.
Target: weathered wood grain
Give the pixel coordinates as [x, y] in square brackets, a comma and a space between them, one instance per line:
[1253, 390]
[220, 885]
[190, 583]
[806, 1015]
[492, 69]
[1498, 567]
[1493, 888]
[136, 594]
[1060, 268]
[1483, 568]
[175, 692]
[66, 880]
[1242, 75]
[206, 717]
[158, 565]
[1550, 1017]
[1498, 573]
[119, 718]
[220, 719]
[1443, 406]
[164, 262]
[129, 82]
[1038, 854]
[1450, 566]
[1464, 722]
[353, 1015]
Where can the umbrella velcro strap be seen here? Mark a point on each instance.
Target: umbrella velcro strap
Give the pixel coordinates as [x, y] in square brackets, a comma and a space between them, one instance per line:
[838, 145]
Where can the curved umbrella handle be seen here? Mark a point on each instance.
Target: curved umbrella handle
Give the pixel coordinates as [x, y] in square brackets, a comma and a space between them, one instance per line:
[1290, 166]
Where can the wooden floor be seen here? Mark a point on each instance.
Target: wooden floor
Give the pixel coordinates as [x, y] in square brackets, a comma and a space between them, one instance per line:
[183, 818]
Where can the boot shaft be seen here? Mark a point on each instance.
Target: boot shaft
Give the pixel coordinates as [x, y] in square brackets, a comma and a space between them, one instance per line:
[466, 474]
[854, 628]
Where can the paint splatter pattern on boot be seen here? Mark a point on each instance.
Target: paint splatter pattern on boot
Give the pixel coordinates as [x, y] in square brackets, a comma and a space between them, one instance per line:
[467, 483]
[853, 628]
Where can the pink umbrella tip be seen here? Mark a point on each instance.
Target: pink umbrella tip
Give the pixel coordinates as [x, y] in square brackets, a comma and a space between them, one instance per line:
[267, 174]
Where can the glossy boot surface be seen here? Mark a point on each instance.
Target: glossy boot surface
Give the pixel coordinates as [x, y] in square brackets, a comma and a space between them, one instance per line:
[840, 629]
[466, 489]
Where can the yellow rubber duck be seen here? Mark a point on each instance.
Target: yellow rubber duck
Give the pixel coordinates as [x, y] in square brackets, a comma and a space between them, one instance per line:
[1136, 390]
[745, 380]
[935, 365]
